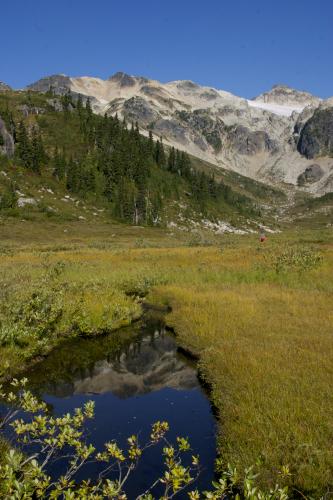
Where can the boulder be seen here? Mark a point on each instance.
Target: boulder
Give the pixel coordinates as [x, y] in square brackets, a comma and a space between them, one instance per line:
[311, 174]
[22, 202]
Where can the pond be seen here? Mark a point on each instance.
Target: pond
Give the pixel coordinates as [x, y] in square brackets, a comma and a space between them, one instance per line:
[135, 377]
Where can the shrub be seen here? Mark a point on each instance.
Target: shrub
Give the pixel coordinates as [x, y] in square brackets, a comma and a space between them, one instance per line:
[8, 196]
[297, 258]
[43, 438]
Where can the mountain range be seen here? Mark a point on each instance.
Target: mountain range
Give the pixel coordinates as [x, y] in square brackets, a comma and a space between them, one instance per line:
[281, 136]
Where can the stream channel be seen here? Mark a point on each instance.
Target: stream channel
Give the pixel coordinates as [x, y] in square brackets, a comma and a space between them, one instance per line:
[136, 377]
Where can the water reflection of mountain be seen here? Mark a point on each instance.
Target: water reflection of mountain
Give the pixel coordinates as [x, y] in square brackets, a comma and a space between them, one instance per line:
[144, 365]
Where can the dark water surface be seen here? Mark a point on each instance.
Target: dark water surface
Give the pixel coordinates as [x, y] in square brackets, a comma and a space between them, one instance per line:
[135, 377]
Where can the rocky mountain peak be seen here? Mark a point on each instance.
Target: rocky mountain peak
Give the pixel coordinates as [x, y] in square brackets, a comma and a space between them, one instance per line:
[282, 86]
[269, 138]
[187, 85]
[284, 95]
[123, 79]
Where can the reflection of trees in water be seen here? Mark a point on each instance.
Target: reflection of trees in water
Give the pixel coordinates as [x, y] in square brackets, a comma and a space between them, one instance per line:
[147, 363]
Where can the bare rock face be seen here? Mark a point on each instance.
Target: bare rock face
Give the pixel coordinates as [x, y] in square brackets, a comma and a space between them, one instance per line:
[173, 129]
[122, 79]
[7, 146]
[269, 138]
[4, 87]
[31, 110]
[285, 95]
[60, 84]
[136, 109]
[311, 174]
[316, 137]
[246, 142]
[202, 124]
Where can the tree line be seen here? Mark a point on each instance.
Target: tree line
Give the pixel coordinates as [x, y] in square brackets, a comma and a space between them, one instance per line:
[117, 162]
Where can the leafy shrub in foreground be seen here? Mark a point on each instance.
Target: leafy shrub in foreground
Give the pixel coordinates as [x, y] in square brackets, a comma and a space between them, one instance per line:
[50, 308]
[24, 473]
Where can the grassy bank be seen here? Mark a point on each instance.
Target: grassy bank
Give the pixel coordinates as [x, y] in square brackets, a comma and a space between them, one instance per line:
[260, 319]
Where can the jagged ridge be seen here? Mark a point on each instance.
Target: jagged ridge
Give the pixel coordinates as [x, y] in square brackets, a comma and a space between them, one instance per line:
[259, 138]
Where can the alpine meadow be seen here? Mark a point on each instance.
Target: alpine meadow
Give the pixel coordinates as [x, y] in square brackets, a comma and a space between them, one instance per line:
[166, 277]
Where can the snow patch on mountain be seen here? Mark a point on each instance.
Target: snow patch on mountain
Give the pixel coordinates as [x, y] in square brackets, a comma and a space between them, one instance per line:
[255, 137]
[278, 109]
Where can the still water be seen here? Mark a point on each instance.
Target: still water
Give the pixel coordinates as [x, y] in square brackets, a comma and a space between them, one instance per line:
[135, 377]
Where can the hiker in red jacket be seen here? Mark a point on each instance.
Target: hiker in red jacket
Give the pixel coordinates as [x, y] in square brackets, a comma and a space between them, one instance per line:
[262, 236]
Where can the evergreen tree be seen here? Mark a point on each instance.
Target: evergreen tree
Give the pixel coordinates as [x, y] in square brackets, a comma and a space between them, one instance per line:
[172, 160]
[59, 165]
[184, 165]
[88, 109]
[73, 176]
[159, 155]
[38, 155]
[23, 149]
[79, 105]
[126, 201]
[150, 145]
[67, 103]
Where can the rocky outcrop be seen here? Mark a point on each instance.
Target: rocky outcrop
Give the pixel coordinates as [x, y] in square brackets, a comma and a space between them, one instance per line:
[316, 137]
[30, 110]
[311, 174]
[171, 129]
[136, 109]
[269, 138]
[7, 146]
[202, 123]
[246, 142]
[4, 87]
[60, 84]
[122, 79]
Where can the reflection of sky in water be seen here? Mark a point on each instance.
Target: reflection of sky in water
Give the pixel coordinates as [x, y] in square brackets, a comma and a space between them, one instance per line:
[133, 386]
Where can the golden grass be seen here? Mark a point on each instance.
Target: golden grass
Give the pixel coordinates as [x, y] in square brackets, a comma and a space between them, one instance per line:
[264, 338]
[267, 352]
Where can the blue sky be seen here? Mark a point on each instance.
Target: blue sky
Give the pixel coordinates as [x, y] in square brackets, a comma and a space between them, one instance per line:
[243, 46]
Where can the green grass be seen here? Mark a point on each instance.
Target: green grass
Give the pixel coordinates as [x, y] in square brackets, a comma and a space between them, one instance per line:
[62, 132]
[258, 317]
[262, 330]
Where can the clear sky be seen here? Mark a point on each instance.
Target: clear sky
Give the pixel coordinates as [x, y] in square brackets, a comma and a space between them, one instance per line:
[243, 46]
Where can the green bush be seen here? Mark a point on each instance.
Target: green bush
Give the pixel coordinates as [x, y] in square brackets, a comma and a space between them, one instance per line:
[297, 258]
[8, 196]
[23, 472]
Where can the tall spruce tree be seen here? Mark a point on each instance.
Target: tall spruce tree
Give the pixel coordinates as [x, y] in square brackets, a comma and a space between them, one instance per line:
[23, 148]
[172, 160]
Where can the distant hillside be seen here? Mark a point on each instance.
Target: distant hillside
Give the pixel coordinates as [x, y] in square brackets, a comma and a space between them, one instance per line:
[268, 138]
[55, 144]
